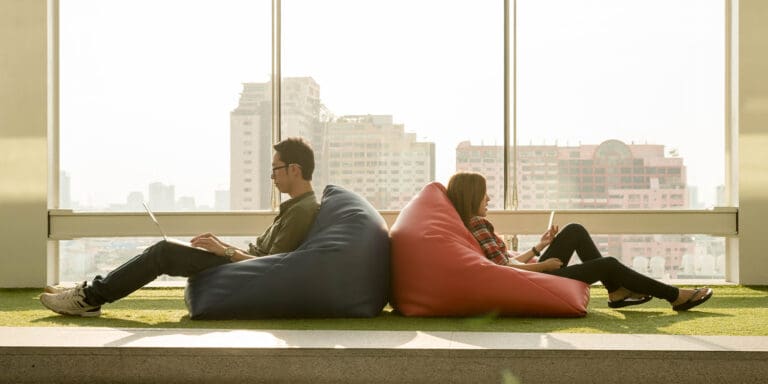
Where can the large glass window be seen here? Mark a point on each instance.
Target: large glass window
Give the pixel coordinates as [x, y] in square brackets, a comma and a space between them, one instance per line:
[620, 105]
[150, 91]
[387, 90]
[84, 259]
[632, 91]
[671, 258]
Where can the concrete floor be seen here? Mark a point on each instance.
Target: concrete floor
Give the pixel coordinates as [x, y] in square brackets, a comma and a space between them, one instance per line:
[69, 354]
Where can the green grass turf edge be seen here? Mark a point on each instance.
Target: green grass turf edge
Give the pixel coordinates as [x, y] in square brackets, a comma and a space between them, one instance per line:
[732, 311]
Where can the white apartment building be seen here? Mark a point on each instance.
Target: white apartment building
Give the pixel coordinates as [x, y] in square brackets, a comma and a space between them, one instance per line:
[373, 156]
[368, 154]
[250, 153]
[251, 136]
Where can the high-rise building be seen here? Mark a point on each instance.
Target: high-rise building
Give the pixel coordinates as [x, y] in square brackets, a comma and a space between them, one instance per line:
[368, 154]
[720, 196]
[186, 203]
[609, 175]
[251, 136]
[162, 197]
[694, 198]
[376, 158]
[65, 190]
[134, 200]
[221, 202]
[250, 149]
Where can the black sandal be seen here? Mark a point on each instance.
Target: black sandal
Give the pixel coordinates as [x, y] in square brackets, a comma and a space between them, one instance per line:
[692, 301]
[627, 301]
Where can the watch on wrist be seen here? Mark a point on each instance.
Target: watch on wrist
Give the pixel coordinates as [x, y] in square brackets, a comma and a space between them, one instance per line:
[230, 252]
[535, 252]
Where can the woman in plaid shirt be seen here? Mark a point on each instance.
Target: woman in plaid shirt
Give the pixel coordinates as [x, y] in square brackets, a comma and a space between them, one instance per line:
[467, 192]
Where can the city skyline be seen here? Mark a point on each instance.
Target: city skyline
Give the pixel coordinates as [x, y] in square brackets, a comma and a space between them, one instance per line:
[133, 199]
[365, 153]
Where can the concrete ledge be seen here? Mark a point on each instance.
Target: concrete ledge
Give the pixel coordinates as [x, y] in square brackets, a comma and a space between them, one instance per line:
[230, 356]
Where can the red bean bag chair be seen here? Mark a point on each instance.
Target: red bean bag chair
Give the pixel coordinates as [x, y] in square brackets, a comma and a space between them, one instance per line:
[439, 269]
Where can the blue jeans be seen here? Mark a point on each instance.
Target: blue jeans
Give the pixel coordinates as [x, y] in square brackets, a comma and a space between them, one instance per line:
[594, 267]
[161, 258]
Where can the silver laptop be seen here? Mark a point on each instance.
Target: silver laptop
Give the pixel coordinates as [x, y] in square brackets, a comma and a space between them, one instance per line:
[166, 238]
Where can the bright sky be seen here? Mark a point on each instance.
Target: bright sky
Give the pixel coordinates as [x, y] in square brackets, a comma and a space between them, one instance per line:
[147, 86]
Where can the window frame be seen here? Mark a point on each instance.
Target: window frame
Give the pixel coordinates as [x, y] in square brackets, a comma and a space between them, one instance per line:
[65, 224]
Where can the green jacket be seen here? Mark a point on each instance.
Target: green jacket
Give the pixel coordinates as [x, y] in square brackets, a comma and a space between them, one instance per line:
[290, 227]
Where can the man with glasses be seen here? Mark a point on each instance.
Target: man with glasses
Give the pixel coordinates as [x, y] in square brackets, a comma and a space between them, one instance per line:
[292, 167]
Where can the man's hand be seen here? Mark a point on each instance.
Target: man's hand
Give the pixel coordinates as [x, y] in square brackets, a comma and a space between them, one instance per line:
[205, 235]
[210, 243]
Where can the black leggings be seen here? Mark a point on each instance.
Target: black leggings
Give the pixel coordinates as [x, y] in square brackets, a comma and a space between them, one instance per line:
[611, 272]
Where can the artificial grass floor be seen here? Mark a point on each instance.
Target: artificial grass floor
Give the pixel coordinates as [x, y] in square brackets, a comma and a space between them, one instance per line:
[732, 311]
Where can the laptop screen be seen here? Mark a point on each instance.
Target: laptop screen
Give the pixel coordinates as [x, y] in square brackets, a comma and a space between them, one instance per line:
[152, 216]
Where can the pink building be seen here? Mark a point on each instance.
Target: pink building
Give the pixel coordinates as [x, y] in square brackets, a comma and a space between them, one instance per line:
[611, 175]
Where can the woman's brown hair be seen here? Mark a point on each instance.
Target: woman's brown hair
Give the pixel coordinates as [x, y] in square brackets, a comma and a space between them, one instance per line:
[466, 190]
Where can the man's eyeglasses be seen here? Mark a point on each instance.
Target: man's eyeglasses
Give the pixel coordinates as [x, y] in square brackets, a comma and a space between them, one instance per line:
[280, 167]
[283, 166]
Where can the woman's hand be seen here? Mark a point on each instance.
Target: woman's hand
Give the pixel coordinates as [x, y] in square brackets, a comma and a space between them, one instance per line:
[547, 237]
[544, 266]
[551, 264]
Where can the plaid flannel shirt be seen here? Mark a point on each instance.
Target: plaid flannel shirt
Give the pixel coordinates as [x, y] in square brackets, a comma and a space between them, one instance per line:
[493, 246]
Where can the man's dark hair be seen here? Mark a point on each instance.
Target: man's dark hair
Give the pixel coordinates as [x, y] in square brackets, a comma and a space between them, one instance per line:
[294, 150]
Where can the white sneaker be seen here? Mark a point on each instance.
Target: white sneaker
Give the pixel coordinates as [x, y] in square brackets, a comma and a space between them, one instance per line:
[70, 302]
[59, 288]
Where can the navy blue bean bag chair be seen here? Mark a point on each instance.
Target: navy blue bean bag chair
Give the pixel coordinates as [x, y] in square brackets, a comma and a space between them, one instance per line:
[341, 270]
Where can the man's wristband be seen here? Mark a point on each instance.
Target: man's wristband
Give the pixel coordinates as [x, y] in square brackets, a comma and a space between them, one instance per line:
[535, 252]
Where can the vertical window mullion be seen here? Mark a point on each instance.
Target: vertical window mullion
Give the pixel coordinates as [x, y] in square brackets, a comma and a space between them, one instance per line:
[276, 85]
[510, 149]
